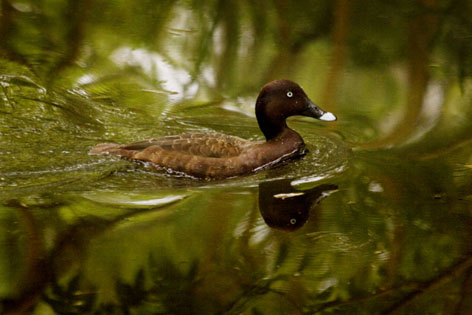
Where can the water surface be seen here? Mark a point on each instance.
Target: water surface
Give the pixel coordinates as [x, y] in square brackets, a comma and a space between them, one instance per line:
[374, 219]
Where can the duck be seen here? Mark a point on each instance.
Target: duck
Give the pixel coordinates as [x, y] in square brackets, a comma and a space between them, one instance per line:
[217, 155]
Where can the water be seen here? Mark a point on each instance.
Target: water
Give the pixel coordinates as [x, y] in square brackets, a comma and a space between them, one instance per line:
[374, 219]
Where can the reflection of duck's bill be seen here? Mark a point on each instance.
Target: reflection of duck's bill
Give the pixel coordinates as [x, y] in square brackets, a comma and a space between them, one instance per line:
[314, 111]
[288, 195]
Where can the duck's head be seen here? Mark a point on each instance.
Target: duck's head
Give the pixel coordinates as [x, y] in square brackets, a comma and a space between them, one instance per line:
[281, 99]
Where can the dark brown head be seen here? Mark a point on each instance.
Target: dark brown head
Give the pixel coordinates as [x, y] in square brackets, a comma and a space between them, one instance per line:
[281, 99]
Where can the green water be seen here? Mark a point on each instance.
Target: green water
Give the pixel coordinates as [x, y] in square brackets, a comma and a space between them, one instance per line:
[375, 219]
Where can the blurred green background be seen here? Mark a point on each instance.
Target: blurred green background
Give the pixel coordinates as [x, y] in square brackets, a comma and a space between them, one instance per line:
[87, 234]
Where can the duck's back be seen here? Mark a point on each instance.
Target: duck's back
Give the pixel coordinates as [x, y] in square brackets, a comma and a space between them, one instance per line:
[215, 145]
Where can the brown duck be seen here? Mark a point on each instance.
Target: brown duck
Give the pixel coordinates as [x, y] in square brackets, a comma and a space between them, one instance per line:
[216, 155]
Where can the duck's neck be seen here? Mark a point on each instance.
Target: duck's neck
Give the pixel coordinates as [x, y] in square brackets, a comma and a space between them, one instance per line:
[287, 135]
[271, 128]
[274, 127]
[278, 131]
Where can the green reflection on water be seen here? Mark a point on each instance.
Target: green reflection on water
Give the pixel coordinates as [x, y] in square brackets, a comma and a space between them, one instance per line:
[87, 234]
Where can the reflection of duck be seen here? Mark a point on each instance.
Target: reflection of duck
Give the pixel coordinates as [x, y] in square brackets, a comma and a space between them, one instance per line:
[286, 208]
[218, 155]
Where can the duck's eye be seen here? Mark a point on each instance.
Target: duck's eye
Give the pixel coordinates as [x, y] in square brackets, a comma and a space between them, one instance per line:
[289, 93]
[293, 221]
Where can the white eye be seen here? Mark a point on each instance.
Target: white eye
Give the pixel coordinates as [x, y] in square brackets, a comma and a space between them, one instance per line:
[293, 221]
[289, 94]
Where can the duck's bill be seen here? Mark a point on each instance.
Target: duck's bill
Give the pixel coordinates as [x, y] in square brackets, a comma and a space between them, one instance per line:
[314, 111]
[327, 116]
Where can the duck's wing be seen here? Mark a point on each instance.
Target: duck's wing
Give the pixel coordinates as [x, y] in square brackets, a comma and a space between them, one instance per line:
[199, 144]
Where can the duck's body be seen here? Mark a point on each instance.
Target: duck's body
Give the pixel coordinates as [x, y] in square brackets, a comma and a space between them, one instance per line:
[218, 155]
[212, 155]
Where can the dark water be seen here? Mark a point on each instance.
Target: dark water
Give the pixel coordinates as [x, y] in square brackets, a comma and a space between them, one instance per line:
[376, 218]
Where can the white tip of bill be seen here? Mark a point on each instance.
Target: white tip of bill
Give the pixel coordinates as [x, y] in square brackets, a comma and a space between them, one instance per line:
[328, 117]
